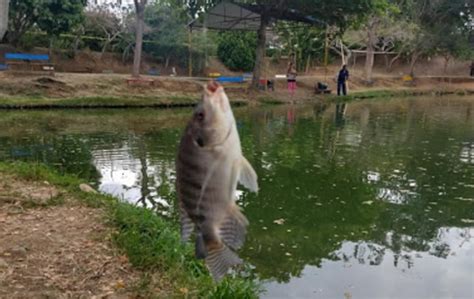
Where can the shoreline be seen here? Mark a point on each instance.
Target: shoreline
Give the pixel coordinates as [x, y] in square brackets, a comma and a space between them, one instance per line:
[135, 234]
[98, 91]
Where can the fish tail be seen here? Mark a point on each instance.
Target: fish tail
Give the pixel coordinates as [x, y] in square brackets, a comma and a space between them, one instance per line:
[233, 229]
[219, 260]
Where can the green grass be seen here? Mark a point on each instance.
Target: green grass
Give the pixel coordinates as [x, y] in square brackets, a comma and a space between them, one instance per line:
[42, 102]
[389, 93]
[151, 243]
[26, 102]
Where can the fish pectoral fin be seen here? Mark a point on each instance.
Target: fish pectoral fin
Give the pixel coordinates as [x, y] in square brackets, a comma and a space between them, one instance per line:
[219, 260]
[233, 229]
[187, 225]
[248, 176]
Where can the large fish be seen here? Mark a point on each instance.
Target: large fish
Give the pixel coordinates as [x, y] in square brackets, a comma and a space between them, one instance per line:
[209, 166]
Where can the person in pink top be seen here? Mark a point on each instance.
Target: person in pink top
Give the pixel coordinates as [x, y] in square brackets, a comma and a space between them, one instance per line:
[291, 75]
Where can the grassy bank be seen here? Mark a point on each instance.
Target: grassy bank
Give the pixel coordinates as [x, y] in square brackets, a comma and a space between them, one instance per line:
[96, 102]
[40, 102]
[390, 93]
[151, 243]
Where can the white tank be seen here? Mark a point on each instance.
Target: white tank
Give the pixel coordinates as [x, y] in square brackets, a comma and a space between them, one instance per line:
[3, 17]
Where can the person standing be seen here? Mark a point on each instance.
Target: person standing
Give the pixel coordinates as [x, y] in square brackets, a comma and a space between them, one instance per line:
[291, 75]
[342, 77]
[472, 69]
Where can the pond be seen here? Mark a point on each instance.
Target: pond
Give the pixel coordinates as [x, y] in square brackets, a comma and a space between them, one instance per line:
[372, 199]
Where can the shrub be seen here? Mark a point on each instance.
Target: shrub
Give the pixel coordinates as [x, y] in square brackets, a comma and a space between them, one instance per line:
[237, 50]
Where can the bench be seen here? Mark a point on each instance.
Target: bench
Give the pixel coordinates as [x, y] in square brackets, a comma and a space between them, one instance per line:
[140, 81]
[230, 79]
[32, 62]
[233, 82]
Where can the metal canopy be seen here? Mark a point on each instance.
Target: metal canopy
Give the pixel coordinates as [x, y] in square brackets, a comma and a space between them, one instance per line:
[228, 16]
[239, 16]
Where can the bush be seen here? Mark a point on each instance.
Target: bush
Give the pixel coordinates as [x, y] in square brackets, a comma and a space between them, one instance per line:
[237, 50]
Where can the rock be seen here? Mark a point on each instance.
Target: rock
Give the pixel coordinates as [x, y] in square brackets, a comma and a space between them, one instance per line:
[3, 264]
[18, 251]
[86, 188]
[280, 221]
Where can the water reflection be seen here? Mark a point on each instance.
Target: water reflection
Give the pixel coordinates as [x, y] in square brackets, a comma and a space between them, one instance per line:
[378, 194]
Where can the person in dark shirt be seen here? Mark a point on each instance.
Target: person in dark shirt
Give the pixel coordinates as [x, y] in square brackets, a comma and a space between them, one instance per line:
[341, 80]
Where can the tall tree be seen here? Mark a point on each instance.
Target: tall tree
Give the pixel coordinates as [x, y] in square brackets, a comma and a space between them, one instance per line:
[59, 16]
[442, 27]
[140, 12]
[23, 15]
[382, 12]
[101, 21]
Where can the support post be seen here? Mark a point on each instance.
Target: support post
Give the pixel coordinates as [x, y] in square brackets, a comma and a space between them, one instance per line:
[190, 48]
[326, 52]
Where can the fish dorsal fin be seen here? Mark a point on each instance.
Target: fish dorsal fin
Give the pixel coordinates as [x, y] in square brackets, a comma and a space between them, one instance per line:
[248, 177]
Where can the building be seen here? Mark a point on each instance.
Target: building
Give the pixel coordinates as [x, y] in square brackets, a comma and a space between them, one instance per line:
[3, 17]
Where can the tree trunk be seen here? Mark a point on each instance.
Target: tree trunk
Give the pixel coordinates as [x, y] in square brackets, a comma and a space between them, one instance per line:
[369, 58]
[413, 60]
[260, 53]
[140, 8]
[446, 63]
[308, 64]
[50, 48]
[104, 48]
[392, 61]
[385, 56]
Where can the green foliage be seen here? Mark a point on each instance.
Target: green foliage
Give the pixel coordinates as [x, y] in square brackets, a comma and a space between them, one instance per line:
[167, 33]
[307, 42]
[237, 50]
[152, 243]
[52, 16]
[440, 27]
[60, 16]
[22, 16]
[341, 13]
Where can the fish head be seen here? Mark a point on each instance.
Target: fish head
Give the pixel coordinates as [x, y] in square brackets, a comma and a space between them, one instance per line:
[213, 118]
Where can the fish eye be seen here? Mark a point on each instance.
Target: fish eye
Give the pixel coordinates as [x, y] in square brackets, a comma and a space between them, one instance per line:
[200, 116]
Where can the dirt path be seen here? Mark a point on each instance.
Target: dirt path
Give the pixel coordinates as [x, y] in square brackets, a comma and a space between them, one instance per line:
[56, 251]
[71, 87]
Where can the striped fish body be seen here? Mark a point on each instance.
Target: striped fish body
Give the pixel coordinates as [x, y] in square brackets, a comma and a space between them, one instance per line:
[209, 165]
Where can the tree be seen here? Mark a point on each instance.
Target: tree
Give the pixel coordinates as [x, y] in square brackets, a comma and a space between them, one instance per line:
[168, 32]
[442, 27]
[377, 32]
[306, 41]
[237, 50]
[59, 16]
[23, 15]
[340, 13]
[140, 13]
[100, 21]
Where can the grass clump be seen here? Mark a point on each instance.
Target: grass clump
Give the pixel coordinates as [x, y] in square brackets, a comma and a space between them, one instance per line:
[151, 243]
